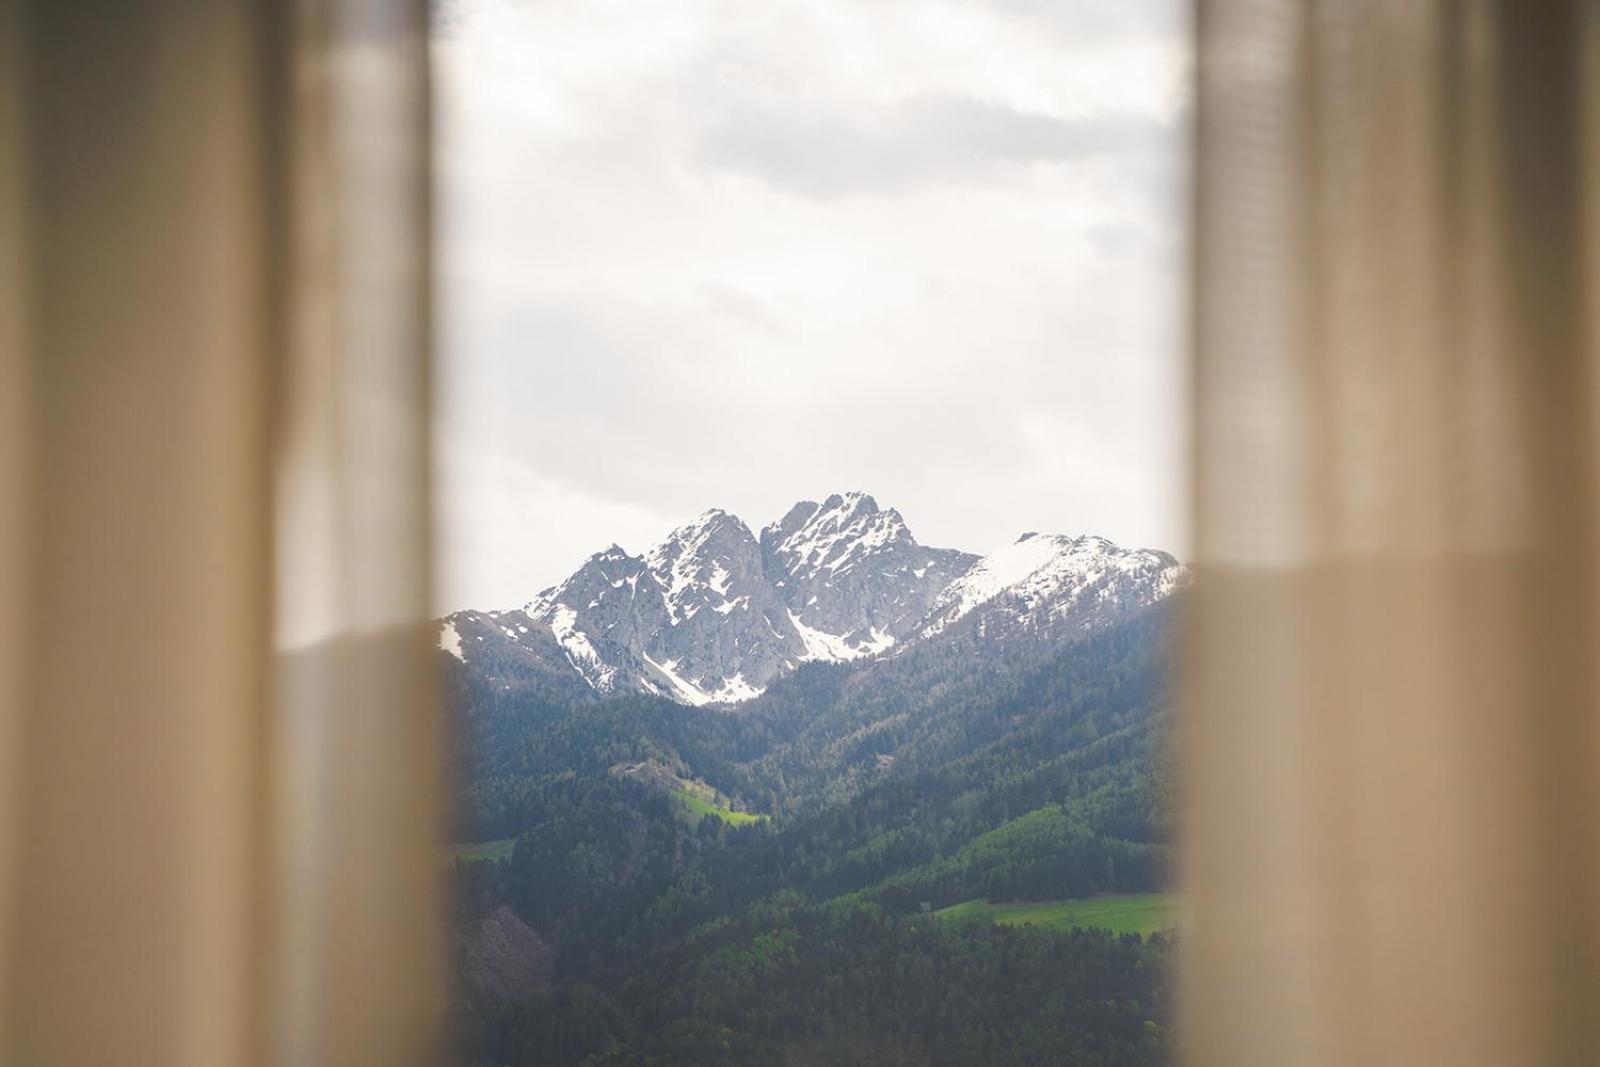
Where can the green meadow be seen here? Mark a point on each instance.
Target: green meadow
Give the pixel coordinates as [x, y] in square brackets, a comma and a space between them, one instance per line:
[699, 807]
[481, 850]
[1132, 913]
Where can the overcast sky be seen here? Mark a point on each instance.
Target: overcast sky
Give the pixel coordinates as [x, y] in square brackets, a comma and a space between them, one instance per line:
[738, 253]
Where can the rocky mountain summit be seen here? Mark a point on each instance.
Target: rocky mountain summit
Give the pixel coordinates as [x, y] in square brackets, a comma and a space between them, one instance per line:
[854, 579]
[713, 614]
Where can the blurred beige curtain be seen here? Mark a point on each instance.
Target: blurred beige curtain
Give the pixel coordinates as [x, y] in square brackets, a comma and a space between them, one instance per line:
[218, 793]
[1393, 761]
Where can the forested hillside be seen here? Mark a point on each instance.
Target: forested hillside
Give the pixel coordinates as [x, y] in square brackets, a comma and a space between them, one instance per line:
[668, 929]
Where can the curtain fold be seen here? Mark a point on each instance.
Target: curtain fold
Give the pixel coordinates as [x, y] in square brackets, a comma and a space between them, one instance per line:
[1390, 730]
[218, 760]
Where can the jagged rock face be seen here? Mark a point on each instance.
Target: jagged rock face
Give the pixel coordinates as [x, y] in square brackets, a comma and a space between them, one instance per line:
[713, 615]
[694, 619]
[727, 634]
[601, 616]
[852, 573]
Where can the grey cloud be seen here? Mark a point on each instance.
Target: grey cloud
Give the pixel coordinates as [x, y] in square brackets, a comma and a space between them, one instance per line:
[659, 405]
[445, 17]
[1103, 22]
[915, 142]
[748, 310]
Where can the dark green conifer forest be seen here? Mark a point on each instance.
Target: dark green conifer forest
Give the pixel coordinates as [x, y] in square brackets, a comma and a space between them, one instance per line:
[639, 920]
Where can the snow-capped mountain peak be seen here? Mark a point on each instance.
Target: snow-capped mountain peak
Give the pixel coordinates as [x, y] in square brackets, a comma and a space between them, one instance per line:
[1042, 579]
[854, 578]
[836, 535]
[697, 564]
[712, 614]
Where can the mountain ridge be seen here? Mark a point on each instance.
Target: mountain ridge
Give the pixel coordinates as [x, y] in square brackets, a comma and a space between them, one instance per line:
[714, 613]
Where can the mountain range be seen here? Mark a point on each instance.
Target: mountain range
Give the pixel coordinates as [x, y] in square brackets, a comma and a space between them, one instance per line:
[714, 613]
[763, 798]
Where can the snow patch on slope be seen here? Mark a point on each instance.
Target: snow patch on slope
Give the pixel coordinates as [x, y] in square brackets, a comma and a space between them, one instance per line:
[1053, 568]
[734, 690]
[450, 641]
[581, 653]
[731, 691]
[1030, 558]
[830, 648]
[683, 691]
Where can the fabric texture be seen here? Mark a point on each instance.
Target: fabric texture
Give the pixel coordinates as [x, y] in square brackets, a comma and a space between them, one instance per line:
[1390, 733]
[218, 742]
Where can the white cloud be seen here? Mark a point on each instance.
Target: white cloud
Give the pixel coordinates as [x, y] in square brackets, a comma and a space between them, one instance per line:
[824, 152]
[725, 253]
[508, 526]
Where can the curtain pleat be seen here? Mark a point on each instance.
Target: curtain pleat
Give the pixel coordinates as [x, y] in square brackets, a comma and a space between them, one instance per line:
[14, 434]
[1390, 728]
[218, 769]
[359, 759]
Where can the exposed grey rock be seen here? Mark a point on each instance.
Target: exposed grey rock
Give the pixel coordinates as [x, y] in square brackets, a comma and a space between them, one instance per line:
[853, 576]
[727, 634]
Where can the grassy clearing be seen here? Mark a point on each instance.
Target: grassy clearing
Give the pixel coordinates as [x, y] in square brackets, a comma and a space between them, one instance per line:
[1133, 913]
[480, 851]
[699, 807]
[696, 799]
